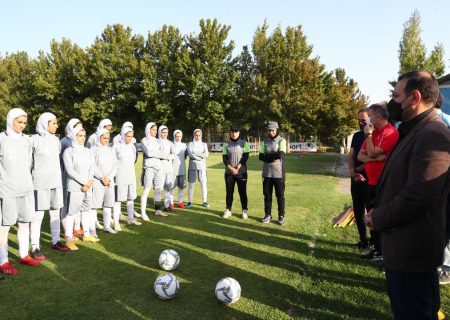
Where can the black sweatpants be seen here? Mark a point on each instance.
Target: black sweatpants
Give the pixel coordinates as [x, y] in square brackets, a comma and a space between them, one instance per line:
[241, 181]
[374, 234]
[268, 185]
[359, 190]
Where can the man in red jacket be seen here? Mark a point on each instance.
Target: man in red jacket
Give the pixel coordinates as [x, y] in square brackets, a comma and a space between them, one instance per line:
[411, 196]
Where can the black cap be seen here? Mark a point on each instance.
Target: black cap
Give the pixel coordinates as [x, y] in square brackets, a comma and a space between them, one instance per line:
[235, 128]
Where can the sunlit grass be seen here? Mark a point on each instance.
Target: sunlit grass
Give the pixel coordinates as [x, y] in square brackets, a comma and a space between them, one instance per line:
[303, 270]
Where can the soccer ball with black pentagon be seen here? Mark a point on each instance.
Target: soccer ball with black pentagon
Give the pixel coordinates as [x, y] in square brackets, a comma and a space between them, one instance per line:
[228, 290]
[166, 286]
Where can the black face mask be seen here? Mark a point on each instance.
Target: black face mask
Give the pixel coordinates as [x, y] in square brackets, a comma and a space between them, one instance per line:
[362, 124]
[395, 110]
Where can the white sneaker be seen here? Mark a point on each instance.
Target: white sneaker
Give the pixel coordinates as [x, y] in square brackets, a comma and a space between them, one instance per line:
[109, 230]
[117, 227]
[137, 215]
[159, 213]
[133, 221]
[244, 214]
[144, 217]
[226, 214]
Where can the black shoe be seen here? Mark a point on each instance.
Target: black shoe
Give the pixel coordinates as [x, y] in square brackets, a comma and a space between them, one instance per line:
[281, 220]
[362, 245]
[373, 255]
[267, 219]
[37, 255]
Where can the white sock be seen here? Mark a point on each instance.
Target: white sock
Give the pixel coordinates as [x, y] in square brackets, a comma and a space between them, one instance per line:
[35, 229]
[171, 196]
[116, 213]
[86, 222]
[55, 226]
[63, 215]
[77, 222]
[144, 200]
[204, 191]
[4, 230]
[130, 209]
[23, 235]
[106, 218]
[180, 196]
[92, 222]
[166, 199]
[70, 222]
[191, 191]
[157, 195]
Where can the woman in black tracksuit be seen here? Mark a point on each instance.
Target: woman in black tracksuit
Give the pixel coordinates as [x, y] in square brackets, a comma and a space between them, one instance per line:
[235, 156]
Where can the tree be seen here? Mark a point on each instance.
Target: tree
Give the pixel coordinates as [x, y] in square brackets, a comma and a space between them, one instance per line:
[412, 51]
[112, 82]
[161, 89]
[287, 79]
[208, 78]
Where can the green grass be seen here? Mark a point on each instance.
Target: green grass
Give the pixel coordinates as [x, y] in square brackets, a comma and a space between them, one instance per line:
[303, 270]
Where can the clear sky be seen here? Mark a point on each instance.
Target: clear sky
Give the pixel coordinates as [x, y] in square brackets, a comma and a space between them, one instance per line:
[361, 36]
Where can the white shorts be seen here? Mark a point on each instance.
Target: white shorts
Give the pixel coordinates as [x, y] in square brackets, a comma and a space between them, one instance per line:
[103, 198]
[151, 178]
[48, 199]
[79, 201]
[16, 209]
[125, 192]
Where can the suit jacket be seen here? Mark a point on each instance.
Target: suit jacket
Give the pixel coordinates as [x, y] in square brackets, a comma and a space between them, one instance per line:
[411, 198]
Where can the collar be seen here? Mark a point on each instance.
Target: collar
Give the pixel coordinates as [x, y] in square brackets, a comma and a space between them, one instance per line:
[406, 127]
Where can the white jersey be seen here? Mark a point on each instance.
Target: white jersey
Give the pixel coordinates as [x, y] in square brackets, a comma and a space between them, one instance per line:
[46, 169]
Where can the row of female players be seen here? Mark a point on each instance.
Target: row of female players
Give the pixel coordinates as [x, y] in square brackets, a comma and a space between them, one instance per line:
[72, 181]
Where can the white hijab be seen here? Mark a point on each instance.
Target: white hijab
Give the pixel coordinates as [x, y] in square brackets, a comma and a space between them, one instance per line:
[197, 142]
[42, 124]
[161, 128]
[103, 123]
[147, 129]
[70, 126]
[99, 134]
[123, 133]
[127, 124]
[13, 114]
[175, 133]
[73, 137]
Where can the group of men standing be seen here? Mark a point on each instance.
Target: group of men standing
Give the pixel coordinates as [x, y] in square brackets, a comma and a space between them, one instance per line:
[400, 185]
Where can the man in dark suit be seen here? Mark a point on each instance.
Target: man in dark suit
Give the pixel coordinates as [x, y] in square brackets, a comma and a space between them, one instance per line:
[411, 197]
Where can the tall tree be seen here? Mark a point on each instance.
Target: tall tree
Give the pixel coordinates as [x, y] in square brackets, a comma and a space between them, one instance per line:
[412, 51]
[208, 76]
[162, 51]
[288, 79]
[113, 79]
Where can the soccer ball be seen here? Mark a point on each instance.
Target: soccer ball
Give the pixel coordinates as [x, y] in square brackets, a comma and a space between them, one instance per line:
[169, 260]
[166, 286]
[228, 290]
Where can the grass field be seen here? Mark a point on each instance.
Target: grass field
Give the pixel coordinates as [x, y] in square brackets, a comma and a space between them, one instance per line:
[303, 270]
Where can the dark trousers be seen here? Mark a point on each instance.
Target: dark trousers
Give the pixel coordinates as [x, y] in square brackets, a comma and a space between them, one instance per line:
[374, 234]
[413, 296]
[241, 181]
[268, 185]
[358, 190]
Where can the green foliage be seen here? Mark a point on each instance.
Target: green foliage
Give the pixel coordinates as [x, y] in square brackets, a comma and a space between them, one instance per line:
[185, 82]
[412, 51]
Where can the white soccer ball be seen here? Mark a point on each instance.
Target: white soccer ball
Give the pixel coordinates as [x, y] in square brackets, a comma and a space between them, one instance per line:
[169, 260]
[166, 286]
[228, 290]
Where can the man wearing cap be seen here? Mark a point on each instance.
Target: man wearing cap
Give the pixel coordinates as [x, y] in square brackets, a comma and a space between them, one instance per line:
[272, 151]
[235, 156]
